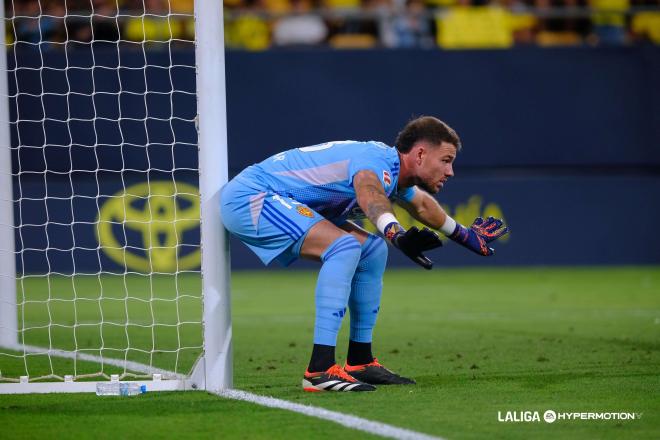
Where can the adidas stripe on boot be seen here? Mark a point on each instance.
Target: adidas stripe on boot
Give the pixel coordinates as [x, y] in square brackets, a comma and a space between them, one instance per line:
[333, 379]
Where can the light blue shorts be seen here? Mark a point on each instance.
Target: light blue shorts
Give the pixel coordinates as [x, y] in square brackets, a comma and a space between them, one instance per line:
[273, 226]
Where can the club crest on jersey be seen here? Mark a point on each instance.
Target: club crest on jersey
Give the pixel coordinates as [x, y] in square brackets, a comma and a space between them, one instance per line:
[387, 178]
[303, 210]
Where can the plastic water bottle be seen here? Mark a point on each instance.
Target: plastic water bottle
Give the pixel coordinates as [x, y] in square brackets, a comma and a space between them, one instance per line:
[119, 389]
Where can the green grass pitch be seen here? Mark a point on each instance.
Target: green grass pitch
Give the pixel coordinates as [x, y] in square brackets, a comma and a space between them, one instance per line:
[478, 341]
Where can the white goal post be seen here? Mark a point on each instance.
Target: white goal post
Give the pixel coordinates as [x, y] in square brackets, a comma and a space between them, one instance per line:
[212, 111]
[156, 312]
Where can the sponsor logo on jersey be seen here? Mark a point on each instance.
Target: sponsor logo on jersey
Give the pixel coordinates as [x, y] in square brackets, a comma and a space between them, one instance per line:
[303, 210]
[387, 178]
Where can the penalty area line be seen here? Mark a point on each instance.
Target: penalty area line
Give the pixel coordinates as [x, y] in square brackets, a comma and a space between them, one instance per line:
[349, 421]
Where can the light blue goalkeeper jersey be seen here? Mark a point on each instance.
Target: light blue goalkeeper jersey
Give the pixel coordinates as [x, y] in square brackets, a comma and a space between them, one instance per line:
[321, 176]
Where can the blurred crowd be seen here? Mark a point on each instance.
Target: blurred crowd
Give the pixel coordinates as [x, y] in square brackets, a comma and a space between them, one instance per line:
[265, 24]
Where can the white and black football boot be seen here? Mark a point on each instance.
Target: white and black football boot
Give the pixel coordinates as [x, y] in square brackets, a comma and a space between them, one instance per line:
[333, 379]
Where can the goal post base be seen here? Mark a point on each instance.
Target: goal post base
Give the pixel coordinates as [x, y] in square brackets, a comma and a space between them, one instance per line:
[163, 380]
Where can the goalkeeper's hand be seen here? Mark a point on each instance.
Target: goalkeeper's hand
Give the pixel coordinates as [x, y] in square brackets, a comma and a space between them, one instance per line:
[479, 234]
[413, 242]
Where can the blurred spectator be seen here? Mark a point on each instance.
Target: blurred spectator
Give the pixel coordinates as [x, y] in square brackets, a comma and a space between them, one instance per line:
[522, 23]
[250, 24]
[609, 20]
[182, 6]
[186, 25]
[248, 31]
[473, 27]
[383, 12]
[152, 24]
[352, 31]
[232, 5]
[277, 7]
[343, 5]
[101, 26]
[412, 27]
[567, 29]
[645, 25]
[300, 27]
[433, 4]
[31, 26]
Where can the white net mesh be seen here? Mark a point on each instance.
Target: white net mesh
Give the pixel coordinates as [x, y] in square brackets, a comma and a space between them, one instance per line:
[104, 170]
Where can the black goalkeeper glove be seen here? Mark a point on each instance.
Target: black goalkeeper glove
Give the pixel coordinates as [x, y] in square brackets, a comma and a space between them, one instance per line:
[413, 242]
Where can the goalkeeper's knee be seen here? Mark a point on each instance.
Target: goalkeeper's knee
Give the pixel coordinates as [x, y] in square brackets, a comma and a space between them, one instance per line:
[373, 257]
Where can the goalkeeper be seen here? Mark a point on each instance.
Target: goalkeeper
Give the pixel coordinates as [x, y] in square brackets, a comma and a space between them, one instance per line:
[300, 203]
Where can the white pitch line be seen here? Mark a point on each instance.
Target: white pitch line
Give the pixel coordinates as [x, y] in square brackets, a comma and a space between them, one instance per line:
[349, 421]
[127, 365]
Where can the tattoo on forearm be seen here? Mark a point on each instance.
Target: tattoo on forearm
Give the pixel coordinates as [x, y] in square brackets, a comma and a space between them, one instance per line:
[371, 196]
[376, 208]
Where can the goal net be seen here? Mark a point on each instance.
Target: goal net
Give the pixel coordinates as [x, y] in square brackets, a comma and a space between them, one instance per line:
[100, 276]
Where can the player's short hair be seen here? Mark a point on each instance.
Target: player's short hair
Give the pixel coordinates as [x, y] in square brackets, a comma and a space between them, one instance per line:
[429, 129]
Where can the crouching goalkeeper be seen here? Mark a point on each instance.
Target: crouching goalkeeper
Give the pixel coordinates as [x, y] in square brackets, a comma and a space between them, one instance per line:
[300, 203]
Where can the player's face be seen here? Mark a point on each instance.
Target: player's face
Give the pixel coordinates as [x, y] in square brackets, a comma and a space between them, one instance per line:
[435, 166]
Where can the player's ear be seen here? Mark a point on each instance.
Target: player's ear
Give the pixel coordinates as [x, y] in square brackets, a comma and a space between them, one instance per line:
[419, 154]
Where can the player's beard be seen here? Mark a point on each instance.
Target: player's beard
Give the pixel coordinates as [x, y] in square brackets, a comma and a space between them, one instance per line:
[421, 184]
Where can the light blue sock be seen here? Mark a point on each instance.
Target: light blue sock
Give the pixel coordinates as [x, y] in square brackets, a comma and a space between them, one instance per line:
[366, 289]
[333, 287]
